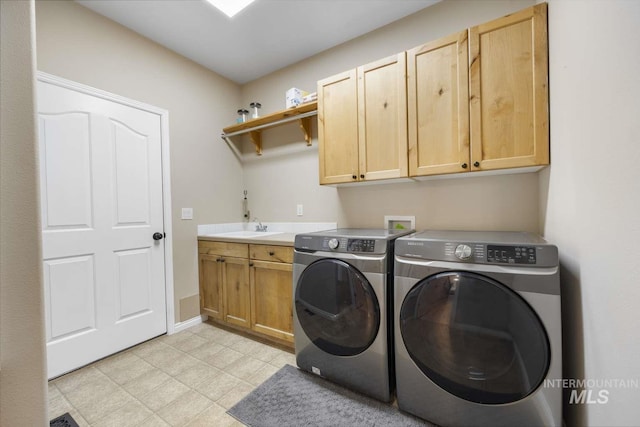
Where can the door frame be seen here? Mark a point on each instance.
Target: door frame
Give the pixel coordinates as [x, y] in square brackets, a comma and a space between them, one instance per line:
[166, 174]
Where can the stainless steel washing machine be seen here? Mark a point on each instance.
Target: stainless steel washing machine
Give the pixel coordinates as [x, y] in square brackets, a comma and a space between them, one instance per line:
[478, 328]
[341, 311]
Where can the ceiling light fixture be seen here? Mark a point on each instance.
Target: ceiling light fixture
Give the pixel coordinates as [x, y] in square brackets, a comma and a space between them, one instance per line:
[230, 7]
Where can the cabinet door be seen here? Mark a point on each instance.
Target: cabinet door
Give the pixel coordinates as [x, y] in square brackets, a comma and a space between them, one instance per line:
[237, 309]
[438, 106]
[272, 299]
[509, 91]
[338, 128]
[210, 272]
[382, 118]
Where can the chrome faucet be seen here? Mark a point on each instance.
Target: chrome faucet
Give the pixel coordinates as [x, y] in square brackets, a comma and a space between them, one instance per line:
[259, 226]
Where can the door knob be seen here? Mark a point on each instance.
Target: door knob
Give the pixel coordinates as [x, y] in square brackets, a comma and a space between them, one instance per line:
[157, 236]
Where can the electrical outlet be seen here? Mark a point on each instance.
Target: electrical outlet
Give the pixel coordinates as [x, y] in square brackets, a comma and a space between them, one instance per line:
[299, 210]
[187, 213]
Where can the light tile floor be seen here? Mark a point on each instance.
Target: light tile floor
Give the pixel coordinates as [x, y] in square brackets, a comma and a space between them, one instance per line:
[187, 379]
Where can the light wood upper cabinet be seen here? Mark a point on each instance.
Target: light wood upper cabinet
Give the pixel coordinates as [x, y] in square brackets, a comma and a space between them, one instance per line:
[338, 128]
[476, 100]
[509, 91]
[438, 112]
[362, 123]
[382, 118]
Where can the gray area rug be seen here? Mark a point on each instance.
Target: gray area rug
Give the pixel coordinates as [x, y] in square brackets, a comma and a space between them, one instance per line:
[295, 398]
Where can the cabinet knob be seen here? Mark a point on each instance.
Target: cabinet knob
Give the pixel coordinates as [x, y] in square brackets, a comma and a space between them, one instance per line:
[218, 259]
[476, 164]
[271, 253]
[361, 176]
[464, 165]
[354, 176]
[250, 264]
[221, 259]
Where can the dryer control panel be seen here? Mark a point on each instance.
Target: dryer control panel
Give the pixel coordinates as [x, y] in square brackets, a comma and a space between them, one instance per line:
[517, 249]
[491, 254]
[480, 253]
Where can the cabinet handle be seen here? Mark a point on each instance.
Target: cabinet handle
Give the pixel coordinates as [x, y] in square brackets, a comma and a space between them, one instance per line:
[354, 176]
[362, 176]
[476, 164]
[271, 253]
[464, 166]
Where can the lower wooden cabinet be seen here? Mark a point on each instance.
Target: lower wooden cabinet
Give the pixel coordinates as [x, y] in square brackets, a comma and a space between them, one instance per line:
[235, 291]
[248, 286]
[271, 299]
[210, 271]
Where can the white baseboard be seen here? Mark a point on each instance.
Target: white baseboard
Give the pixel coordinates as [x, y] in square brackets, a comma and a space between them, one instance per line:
[181, 326]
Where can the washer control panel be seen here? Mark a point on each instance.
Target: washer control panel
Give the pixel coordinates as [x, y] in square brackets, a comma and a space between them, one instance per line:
[361, 245]
[500, 254]
[344, 244]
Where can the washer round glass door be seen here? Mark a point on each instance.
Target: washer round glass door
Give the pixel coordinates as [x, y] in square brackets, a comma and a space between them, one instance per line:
[337, 307]
[474, 337]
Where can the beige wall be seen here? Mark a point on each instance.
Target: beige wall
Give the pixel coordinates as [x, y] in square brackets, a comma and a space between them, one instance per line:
[590, 197]
[287, 173]
[23, 390]
[75, 43]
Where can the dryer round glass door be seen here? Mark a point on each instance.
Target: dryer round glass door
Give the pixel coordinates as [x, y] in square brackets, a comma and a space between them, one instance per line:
[337, 308]
[474, 337]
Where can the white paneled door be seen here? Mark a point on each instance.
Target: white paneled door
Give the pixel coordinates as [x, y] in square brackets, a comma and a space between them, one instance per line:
[101, 196]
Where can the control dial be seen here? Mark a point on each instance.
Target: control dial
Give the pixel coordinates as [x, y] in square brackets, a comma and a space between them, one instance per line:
[333, 243]
[463, 252]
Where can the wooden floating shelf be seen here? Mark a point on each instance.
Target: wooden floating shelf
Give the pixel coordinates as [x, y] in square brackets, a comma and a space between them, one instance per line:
[254, 127]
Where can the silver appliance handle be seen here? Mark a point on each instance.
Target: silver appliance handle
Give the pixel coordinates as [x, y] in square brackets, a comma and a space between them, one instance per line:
[487, 268]
[342, 255]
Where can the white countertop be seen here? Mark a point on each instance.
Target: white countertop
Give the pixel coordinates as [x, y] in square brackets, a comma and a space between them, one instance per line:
[278, 233]
[280, 239]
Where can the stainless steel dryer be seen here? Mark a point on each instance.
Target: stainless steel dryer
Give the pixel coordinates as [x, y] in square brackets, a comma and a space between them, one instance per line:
[478, 328]
[341, 311]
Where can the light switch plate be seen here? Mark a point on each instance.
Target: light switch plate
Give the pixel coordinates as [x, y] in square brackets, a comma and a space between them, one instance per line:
[187, 213]
[299, 210]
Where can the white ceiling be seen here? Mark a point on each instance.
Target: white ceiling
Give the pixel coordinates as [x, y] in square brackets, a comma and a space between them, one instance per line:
[266, 36]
